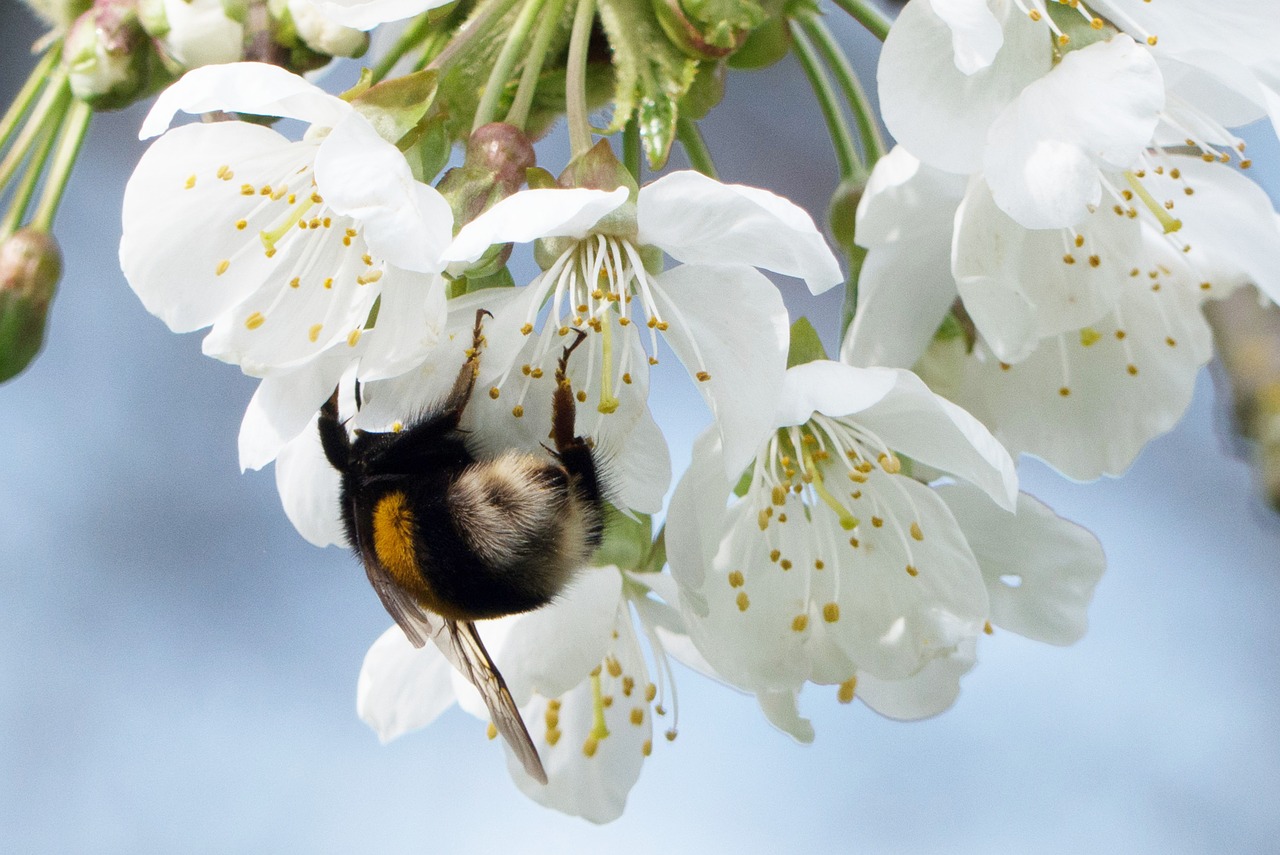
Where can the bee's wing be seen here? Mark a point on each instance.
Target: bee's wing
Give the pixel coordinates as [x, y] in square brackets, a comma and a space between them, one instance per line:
[461, 643]
[416, 622]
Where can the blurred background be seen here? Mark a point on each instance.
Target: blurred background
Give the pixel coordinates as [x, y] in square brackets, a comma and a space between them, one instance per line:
[178, 667]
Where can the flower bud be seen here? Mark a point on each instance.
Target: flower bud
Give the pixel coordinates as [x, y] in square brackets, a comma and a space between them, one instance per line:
[106, 56]
[59, 13]
[30, 266]
[305, 22]
[708, 29]
[196, 33]
[494, 168]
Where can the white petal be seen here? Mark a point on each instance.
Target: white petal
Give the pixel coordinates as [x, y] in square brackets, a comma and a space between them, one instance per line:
[697, 220]
[695, 514]
[899, 408]
[1120, 390]
[533, 214]
[1040, 569]
[180, 219]
[893, 621]
[976, 36]
[411, 320]
[363, 176]
[783, 713]
[831, 388]
[924, 694]
[310, 490]
[593, 783]
[938, 111]
[402, 688]
[1020, 285]
[729, 322]
[548, 651]
[367, 14]
[253, 88]
[283, 406]
[1097, 108]
[905, 287]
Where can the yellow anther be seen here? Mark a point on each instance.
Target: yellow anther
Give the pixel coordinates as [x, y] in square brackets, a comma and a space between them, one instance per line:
[785, 564]
[1089, 336]
[517, 411]
[743, 601]
[353, 337]
[912, 571]
[493, 392]
[628, 685]
[986, 627]
[774, 555]
[242, 224]
[626, 377]
[1064, 392]
[246, 190]
[650, 692]
[853, 541]
[553, 736]
[590, 745]
[703, 376]
[1172, 342]
[736, 579]
[637, 715]
[255, 320]
[1132, 369]
[916, 532]
[877, 522]
[328, 282]
[800, 623]
[614, 666]
[314, 332]
[222, 266]
[1068, 259]
[647, 748]
[847, 688]
[491, 731]
[536, 374]
[670, 735]
[831, 612]
[818, 564]
[191, 181]
[890, 463]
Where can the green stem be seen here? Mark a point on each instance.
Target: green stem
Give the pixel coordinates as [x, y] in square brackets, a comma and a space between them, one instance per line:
[22, 100]
[26, 186]
[837, 127]
[415, 34]
[695, 147]
[868, 15]
[575, 86]
[517, 36]
[71, 138]
[475, 26]
[52, 103]
[873, 144]
[518, 115]
[631, 147]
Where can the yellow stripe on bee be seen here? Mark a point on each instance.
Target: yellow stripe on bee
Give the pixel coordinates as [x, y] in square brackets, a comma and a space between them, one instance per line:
[393, 528]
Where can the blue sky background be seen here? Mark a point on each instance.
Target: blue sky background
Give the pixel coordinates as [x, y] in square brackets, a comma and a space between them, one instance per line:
[177, 666]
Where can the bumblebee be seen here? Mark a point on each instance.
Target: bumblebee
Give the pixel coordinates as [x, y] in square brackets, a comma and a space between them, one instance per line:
[448, 539]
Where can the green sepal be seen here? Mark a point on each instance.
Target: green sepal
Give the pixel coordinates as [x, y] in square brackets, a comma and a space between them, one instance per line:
[427, 148]
[598, 168]
[627, 542]
[540, 179]
[651, 76]
[395, 107]
[766, 45]
[744, 483]
[706, 92]
[806, 346]
[470, 283]
[842, 210]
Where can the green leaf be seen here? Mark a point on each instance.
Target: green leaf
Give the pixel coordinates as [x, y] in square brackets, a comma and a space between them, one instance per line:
[805, 344]
[395, 107]
[651, 75]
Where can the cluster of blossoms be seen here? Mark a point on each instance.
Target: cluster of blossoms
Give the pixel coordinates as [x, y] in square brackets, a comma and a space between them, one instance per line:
[1038, 247]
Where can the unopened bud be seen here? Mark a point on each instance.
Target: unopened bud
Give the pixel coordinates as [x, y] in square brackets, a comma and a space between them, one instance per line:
[706, 30]
[498, 155]
[316, 31]
[195, 33]
[30, 266]
[106, 55]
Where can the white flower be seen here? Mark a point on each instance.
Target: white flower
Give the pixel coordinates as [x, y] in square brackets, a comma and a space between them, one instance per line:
[1085, 389]
[576, 669]
[284, 247]
[835, 562]
[835, 566]
[722, 318]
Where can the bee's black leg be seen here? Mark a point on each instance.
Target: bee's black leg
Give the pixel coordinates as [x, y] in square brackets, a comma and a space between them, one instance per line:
[574, 451]
[333, 435]
[461, 392]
